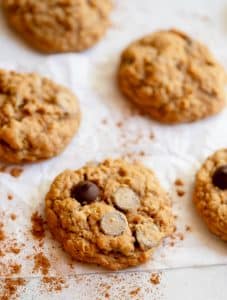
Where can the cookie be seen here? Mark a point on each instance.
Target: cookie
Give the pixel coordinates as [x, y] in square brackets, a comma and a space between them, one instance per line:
[53, 26]
[38, 117]
[114, 214]
[210, 194]
[172, 78]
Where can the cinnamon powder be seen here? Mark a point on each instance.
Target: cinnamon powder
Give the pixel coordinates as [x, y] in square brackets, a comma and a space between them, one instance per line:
[155, 278]
[38, 226]
[10, 288]
[42, 263]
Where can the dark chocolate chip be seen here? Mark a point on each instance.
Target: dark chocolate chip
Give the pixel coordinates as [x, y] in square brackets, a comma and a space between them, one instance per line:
[85, 192]
[220, 177]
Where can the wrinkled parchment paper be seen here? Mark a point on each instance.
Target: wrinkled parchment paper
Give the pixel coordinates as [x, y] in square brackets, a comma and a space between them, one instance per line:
[174, 152]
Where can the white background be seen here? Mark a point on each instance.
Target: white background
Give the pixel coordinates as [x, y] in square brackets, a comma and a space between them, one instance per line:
[175, 152]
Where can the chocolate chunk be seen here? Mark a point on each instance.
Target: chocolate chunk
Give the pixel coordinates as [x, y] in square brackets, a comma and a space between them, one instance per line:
[147, 235]
[126, 199]
[113, 223]
[85, 192]
[220, 177]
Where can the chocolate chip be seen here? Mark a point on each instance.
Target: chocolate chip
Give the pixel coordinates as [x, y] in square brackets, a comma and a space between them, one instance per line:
[147, 235]
[113, 223]
[85, 192]
[220, 177]
[126, 199]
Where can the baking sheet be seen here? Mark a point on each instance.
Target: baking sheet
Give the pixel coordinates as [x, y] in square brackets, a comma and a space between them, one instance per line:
[112, 128]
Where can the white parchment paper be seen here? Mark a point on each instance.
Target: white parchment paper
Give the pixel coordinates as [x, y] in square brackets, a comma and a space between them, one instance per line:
[174, 152]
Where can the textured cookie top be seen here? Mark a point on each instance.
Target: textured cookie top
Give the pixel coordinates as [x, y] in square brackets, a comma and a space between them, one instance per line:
[113, 214]
[59, 25]
[210, 195]
[172, 77]
[37, 117]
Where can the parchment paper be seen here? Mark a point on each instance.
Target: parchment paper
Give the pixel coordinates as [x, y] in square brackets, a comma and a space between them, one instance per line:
[174, 152]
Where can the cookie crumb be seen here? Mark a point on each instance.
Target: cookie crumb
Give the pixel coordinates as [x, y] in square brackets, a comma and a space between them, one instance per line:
[155, 278]
[16, 172]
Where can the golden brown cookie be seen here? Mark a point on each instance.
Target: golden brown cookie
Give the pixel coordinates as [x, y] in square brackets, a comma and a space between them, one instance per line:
[210, 194]
[172, 78]
[59, 25]
[113, 214]
[38, 117]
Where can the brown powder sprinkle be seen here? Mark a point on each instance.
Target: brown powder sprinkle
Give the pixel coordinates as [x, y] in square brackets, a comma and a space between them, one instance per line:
[13, 217]
[41, 263]
[180, 193]
[188, 228]
[10, 197]
[2, 233]
[14, 268]
[104, 121]
[16, 172]
[10, 288]
[14, 249]
[38, 226]
[135, 292]
[155, 278]
[119, 124]
[54, 284]
[179, 182]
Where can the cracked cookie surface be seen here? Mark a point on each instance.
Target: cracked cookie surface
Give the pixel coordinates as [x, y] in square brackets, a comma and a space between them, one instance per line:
[210, 194]
[59, 25]
[38, 117]
[172, 78]
[113, 214]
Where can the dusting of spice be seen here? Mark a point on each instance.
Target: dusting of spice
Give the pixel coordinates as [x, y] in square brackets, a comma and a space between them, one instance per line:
[180, 193]
[41, 263]
[188, 228]
[179, 182]
[38, 226]
[13, 217]
[119, 124]
[135, 292]
[151, 136]
[155, 278]
[2, 233]
[14, 249]
[15, 268]
[54, 284]
[10, 197]
[10, 288]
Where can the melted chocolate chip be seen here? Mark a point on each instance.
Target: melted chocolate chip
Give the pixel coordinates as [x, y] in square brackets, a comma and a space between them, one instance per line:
[220, 177]
[85, 192]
